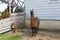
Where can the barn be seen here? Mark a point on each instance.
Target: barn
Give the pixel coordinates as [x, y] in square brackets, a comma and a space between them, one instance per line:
[45, 10]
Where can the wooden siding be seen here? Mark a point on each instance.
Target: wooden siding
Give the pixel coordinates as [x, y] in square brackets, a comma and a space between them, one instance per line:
[5, 24]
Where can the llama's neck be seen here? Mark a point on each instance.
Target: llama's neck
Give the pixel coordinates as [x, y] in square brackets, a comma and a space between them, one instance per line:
[32, 16]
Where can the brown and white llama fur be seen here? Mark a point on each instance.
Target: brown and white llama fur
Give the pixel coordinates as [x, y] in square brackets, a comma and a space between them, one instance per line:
[34, 23]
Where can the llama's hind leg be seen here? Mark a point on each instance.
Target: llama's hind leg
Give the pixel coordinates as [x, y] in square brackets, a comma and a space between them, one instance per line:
[35, 32]
[32, 32]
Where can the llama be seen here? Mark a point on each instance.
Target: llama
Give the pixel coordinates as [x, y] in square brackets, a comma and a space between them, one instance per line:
[34, 23]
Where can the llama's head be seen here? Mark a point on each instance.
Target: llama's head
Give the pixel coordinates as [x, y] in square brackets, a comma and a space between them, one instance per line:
[31, 12]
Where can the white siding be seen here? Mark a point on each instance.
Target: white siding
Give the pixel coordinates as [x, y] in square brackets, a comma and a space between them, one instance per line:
[44, 9]
[5, 25]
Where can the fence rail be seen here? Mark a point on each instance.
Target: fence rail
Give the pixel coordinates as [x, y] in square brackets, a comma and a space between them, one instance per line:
[5, 24]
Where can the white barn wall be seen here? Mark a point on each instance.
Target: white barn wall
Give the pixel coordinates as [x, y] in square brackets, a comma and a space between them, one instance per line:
[44, 9]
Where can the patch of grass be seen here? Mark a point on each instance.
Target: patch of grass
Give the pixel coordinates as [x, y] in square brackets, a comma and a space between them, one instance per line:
[10, 37]
[0, 13]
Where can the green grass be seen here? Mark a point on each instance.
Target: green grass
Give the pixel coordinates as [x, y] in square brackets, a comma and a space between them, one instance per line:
[10, 37]
[0, 13]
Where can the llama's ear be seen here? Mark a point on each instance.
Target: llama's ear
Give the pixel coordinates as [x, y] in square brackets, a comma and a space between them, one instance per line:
[32, 9]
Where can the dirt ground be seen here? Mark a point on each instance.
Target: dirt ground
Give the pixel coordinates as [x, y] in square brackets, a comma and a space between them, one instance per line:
[41, 35]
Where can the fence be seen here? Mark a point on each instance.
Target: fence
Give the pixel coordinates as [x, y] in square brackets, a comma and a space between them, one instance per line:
[5, 24]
